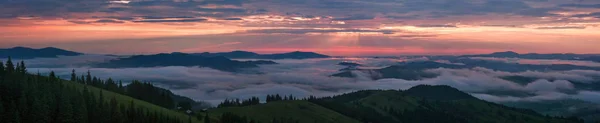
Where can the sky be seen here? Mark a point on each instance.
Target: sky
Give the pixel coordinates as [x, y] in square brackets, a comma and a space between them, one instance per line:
[332, 27]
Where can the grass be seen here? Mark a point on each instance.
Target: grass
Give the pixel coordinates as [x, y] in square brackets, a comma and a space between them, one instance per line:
[303, 111]
[126, 100]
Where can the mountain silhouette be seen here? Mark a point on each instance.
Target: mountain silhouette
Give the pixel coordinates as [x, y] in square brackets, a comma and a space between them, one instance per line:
[252, 55]
[29, 53]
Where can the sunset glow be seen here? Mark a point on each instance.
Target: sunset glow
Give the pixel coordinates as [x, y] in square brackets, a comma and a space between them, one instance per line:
[374, 28]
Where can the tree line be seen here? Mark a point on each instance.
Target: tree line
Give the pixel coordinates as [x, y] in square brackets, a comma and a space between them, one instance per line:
[33, 98]
[140, 90]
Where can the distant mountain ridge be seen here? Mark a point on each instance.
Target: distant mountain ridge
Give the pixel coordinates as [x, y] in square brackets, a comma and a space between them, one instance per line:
[561, 56]
[182, 59]
[252, 55]
[29, 53]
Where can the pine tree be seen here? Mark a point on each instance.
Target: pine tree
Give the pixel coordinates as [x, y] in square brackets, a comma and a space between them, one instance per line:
[18, 68]
[10, 67]
[73, 76]
[79, 109]
[12, 113]
[40, 109]
[52, 76]
[206, 118]
[115, 113]
[23, 68]
[2, 69]
[88, 78]
[65, 109]
[2, 115]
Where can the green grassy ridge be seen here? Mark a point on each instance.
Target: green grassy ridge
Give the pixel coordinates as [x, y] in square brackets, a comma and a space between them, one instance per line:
[303, 111]
[471, 110]
[126, 100]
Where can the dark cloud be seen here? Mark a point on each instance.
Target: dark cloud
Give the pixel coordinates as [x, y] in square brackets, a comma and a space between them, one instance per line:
[166, 17]
[563, 27]
[108, 21]
[595, 14]
[502, 25]
[581, 5]
[49, 8]
[304, 31]
[343, 10]
[171, 21]
[233, 19]
[356, 17]
[224, 10]
[438, 25]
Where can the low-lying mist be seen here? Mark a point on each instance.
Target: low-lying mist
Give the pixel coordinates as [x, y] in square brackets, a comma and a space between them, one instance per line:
[306, 77]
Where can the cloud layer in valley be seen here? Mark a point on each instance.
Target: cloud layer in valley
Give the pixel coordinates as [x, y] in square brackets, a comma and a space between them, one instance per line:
[311, 77]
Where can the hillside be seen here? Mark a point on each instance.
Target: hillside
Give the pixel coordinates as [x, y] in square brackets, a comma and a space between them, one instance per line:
[126, 100]
[420, 104]
[29, 53]
[427, 104]
[293, 111]
[36, 98]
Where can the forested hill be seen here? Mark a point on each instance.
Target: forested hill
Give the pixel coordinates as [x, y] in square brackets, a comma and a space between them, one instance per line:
[420, 104]
[27, 98]
[29, 53]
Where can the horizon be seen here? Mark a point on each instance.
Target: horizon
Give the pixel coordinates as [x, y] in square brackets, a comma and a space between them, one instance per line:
[263, 53]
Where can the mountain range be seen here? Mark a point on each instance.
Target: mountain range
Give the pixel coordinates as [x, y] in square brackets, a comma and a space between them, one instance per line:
[29, 53]
[181, 59]
[561, 56]
[252, 55]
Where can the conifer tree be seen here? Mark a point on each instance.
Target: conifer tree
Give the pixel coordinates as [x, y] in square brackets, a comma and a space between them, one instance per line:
[2, 69]
[206, 118]
[12, 113]
[2, 115]
[79, 109]
[10, 67]
[65, 109]
[23, 69]
[88, 78]
[73, 76]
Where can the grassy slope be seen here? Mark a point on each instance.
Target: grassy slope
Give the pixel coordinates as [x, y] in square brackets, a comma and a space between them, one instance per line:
[126, 100]
[474, 110]
[304, 111]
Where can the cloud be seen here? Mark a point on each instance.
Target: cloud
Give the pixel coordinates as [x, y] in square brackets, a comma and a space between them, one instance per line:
[540, 61]
[562, 27]
[356, 17]
[171, 20]
[233, 19]
[436, 26]
[595, 15]
[581, 5]
[536, 98]
[108, 21]
[582, 76]
[547, 86]
[305, 31]
[167, 17]
[591, 96]
[311, 77]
